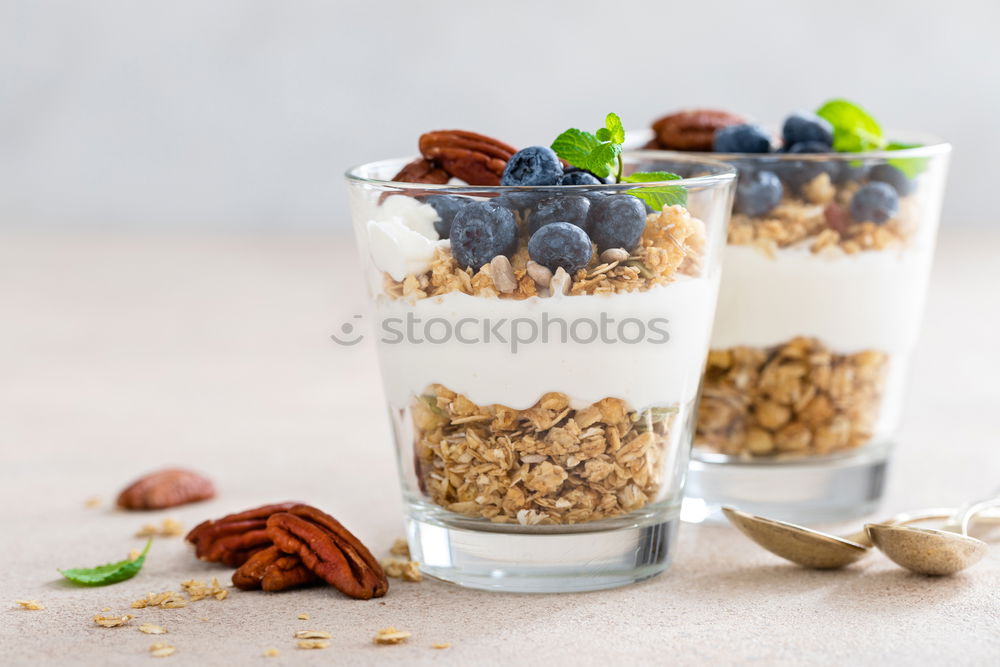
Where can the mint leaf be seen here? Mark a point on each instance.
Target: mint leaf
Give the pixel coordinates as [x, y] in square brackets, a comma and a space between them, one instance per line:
[112, 573]
[911, 167]
[657, 197]
[615, 129]
[854, 130]
[575, 146]
[601, 159]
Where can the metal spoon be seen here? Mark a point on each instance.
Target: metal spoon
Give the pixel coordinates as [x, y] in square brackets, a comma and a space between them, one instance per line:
[812, 548]
[931, 551]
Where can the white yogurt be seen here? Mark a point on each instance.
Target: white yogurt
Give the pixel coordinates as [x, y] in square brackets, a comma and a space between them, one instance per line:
[868, 300]
[656, 363]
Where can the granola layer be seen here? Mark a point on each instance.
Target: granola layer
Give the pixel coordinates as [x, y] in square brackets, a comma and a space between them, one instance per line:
[799, 398]
[818, 220]
[672, 243]
[548, 464]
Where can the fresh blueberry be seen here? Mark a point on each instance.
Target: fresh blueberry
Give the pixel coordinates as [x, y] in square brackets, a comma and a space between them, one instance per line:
[521, 202]
[579, 177]
[758, 193]
[745, 138]
[803, 126]
[561, 244]
[875, 202]
[850, 171]
[481, 231]
[535, 165]
[446, 206]
[617, 222]
[808, 147]
[886, 173]
[560, 208]
[796, 173]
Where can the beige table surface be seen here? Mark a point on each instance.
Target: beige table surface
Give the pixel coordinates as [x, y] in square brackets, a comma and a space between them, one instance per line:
[121, 354]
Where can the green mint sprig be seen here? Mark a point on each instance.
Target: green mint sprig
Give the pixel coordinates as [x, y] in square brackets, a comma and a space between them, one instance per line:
[601, 154]
[856, 131]
[112, 573]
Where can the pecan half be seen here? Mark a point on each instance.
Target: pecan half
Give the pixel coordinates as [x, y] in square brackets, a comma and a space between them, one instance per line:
[422, 171]
[329, 550]
[272, 570]
[472, 157]
[166, 488]
[234, 538]
[692, 129]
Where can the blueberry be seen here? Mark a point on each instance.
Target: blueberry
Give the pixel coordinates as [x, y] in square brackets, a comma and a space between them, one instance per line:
[617, 222]
[886, 173]
[803, 126]
[808, 147]
[850, 171]
[758, 193]
[481, 231]
[875, 202]
[796, 173]
[561, 244]
[560, 208]
[745, 138]
[446, 206]
[535, 165]
[579, 177]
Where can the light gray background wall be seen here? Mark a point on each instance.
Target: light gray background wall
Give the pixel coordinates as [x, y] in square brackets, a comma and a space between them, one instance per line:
[244, 113]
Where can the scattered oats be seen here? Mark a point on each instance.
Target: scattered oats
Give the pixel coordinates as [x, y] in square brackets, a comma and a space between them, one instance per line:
[151, 629]
[391, 635]
[105, 608]
[303, 617]
[92, 502]
[198, 590]
[271, 653]
[33, 605]
[112, 621]
[312, 634]
[161, 649]
[171, 527]
[148, 530]
[313, 643]
[407, 570]
[400, 547]
[441, 645]
[165, 600]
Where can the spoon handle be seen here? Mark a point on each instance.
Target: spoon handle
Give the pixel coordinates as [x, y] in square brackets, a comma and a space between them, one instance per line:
[902, 519]
[958, 522]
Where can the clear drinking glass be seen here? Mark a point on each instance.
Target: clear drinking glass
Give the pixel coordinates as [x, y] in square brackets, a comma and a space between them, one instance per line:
[543, 422]
[819, 311]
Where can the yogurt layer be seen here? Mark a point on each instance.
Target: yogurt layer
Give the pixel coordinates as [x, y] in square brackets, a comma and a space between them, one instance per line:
[632, 362]
[868, 300]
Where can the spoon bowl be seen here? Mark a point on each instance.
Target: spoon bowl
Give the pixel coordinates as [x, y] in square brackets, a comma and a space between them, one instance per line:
[927, 550]
[801, 545]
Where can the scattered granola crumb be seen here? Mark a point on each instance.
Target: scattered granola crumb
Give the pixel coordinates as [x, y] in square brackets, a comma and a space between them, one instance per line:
[391, 635]
[407, 570]
[169, 528]
[112, 621]
[161, 649]
[400, 548]
[313, 643]
[152, 629]
[271, 653]
[312, 634]
[133, 554]
[92, 502]
[198, 590]
[105, 608]
[442, 645]
[164, 600]
[32, 605]
[303, 617]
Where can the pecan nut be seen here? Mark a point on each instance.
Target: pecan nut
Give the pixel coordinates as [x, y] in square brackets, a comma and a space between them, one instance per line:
[272, 570]
[329, 550]
[234, 538]
[166, 488]
[692, 129]
[472, 157]
[422, 171]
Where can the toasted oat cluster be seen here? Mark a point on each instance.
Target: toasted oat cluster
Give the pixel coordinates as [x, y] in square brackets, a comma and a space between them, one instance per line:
[673, 242]
[548, 464]
[794, 399]
[819, 221]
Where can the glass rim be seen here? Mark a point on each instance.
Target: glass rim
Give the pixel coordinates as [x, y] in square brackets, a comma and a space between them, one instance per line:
[723, 172]
[931, 146]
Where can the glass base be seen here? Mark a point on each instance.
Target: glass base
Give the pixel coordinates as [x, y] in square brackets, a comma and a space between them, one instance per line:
[542, 559]
[815, 490]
